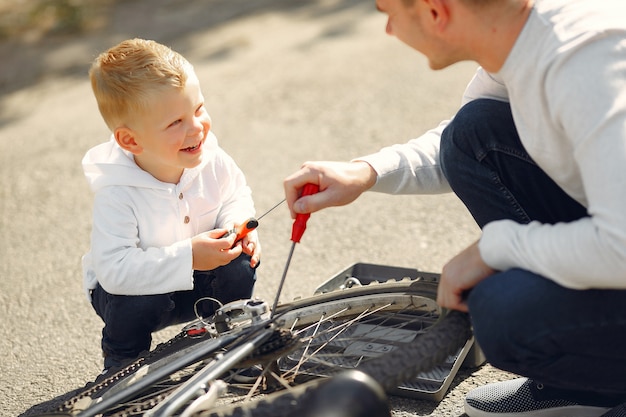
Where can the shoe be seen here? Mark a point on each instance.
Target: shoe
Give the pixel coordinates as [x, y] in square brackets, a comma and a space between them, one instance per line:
[523, 397]
[619, 411]
[106, 372]
[115, 362]
[247, 375]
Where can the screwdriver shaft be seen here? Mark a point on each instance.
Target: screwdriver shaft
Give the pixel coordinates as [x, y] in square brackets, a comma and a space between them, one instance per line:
[297, 230]
[282, 280]
[268, 211]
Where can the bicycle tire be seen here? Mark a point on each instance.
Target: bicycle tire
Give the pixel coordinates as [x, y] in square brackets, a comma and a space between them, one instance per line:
[384, 314]
[389, 371]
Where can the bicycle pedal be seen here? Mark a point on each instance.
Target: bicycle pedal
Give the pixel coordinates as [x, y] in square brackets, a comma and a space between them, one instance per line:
[239, 311]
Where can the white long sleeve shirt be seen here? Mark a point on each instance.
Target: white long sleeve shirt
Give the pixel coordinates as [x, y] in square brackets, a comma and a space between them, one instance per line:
[565, 79]
[142, 227]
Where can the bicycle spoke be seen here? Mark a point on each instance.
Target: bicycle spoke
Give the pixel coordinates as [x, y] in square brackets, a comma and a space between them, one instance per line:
[327, 341]
[342, 327]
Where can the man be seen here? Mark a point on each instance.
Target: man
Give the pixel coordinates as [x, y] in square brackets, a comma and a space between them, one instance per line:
[537, 153]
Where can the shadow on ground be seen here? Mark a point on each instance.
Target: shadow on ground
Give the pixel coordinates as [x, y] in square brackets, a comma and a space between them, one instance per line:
[26, 62]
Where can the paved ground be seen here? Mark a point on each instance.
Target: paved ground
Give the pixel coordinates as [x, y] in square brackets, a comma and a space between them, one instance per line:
[285, 81]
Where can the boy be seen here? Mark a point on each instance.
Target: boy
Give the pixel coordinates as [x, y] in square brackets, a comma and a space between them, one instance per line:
[165, 196]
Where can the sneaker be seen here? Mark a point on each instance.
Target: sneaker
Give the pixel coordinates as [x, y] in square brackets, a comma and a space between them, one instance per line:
[115, 361]
[619, 411]
[523, 397]
[247, 375]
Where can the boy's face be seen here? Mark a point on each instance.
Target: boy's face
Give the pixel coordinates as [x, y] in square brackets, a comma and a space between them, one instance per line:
[169, 137]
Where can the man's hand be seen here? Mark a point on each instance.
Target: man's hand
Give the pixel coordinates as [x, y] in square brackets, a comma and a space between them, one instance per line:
[340, 183]
[459, 275]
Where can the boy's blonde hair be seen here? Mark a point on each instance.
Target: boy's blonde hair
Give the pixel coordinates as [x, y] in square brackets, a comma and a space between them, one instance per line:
[125, 78]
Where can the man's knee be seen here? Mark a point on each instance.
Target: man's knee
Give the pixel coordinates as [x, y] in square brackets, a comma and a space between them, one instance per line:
[467, 136]
[502, 309]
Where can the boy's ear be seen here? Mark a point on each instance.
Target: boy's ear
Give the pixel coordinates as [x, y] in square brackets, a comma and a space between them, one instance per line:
[125, 137]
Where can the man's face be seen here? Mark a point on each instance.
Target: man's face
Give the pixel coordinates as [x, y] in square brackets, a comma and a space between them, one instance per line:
[414, 24]
[172, 132]
[402, 19]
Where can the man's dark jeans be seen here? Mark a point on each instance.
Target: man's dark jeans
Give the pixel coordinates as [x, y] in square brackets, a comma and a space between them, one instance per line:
[526, 323]
[129, 321]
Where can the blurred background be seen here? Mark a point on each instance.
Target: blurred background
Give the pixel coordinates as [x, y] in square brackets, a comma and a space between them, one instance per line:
[285, 81]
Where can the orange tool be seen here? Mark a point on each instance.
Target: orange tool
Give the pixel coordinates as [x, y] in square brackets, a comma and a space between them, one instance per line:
[297, 230]
[243, 229]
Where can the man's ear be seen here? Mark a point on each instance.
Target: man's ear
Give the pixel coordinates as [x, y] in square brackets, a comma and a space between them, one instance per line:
[125, 137]
[439, 13]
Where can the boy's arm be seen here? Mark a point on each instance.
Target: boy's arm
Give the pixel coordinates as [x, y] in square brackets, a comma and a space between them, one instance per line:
[122, 266]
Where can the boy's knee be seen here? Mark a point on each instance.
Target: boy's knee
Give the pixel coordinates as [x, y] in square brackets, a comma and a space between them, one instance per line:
[242, 277]
[239, 270]
[231, 282]
[146, 311]
[119, 307]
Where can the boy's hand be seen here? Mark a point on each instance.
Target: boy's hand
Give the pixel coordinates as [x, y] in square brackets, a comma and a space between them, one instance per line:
[250, 242]
[252, 247]
[210, 250]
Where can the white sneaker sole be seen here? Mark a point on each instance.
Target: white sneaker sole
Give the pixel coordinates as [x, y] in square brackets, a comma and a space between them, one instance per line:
[569, 411]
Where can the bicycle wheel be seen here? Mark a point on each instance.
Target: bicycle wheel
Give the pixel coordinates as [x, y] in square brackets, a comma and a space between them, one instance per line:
[391, 332]
[389, 370]
[314, 337]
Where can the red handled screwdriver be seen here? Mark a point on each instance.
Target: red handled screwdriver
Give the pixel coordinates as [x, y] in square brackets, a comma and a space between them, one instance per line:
[297, 230]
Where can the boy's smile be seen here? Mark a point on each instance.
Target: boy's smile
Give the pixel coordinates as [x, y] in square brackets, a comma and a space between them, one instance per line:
[192, 149]
[168, 137]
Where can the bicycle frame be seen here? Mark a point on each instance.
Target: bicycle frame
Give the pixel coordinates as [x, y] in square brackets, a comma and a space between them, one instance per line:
[199, 384]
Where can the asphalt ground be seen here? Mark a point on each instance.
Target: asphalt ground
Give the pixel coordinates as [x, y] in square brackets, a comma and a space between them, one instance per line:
[285, 82]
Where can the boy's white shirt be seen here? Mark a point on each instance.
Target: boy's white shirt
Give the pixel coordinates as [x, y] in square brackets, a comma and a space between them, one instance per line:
[140, 241]
[572, 121]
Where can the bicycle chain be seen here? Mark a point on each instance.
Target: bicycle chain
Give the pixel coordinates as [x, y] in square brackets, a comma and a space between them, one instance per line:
[96, 386]
[281, 339]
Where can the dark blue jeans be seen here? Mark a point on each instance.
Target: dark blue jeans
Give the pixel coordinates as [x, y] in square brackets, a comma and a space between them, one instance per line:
[526, 323]
[129, 321]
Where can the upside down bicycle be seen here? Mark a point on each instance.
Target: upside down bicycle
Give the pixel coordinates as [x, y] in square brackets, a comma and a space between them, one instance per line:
[240, 362]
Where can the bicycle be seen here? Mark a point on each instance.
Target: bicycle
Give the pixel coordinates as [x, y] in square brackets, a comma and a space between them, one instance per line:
[390, 331]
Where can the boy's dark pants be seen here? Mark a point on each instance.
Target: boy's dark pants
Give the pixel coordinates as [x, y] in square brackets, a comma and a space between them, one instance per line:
[129, 321]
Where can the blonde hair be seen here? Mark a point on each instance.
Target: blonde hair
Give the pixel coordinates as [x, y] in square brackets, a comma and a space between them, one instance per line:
[125, 78]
